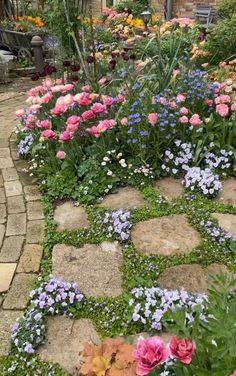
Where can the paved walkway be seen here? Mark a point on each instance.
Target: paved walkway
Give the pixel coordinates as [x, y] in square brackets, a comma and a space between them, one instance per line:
[21, 225]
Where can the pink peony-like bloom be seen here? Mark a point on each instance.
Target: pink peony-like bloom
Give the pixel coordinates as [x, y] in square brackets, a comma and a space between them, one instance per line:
[163, 100]
[222, 109]
[124, 121]
[65, 136]
[181, 98]
[60, 154]
[98, 108]
[57, 88]
[102, 81]
[46, 98]
[172, 104]
[102, 127]
[48, 83]
[195, 120]
[107, 101]
[183, 119]
[68, 100]
[72, 127]
[182, 349]
[58, 110]
[223, 99]
[35, 107]
[228, 89]
[86, 88]
[184, 111]
[20, 113]
[44, 124]
[83, 99]
[233, 107]
[205, 65]
[120, 98]
[152, 118]
[88, 115]
[94, 131]
[68, 87]
[149, 354]
[48, 134]
[73, 120]
[234, 373]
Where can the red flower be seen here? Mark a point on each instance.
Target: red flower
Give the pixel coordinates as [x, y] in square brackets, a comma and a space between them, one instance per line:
[182, 349]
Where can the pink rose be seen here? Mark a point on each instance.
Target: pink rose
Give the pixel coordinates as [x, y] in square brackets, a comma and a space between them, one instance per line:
[124, 121]
[20, 113]
[60, 154]
[222, 109]
[65, 136]
[58, 110]
[68, 100]
[68, 87]
[233, 107]
[72, 127]
[183, 119]
[88, 115]
[184, 111]
[152, 118]
[209, 102]
[182, 349]
[73, 120]
[44, 124]
[149, 354]
[98, 108]
[57, 88]
[48, 83]
[195, 120]
[48, 134]
[94, 131]
[172, 104]
[46, 98]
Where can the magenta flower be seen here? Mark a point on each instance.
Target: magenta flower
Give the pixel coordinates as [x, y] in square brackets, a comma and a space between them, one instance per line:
[149, 354]
[182, 349]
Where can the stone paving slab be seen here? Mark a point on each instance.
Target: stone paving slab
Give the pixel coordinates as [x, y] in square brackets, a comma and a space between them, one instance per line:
[13, 188]
[2, 196]
[165, 236]
[6, 275]
[125, 198]
[35, 231]
[30, 259]
[228, 193]
[32, 193]
[3, 213]
[193, 278]
[65, 341]
[16, 224]
[95, 268]
[169, 188]
[70, 217]
[15, 205]
[18, 295]
[2, 232]
[7, 320]
[227, 221]
[10, 174]
[34, 210]
[11, 249]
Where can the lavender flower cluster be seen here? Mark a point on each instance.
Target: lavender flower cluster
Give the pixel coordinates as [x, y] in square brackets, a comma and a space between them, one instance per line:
[219, 163]
[178, 162]
[117, 223]
[202, 180]
[149, 305]
[216, 232]
[24, 145]
[52, 297]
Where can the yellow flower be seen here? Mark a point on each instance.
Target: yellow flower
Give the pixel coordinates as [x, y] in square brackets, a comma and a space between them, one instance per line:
[100, 365]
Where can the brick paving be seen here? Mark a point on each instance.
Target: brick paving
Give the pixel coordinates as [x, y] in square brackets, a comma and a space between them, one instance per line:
[21, 225]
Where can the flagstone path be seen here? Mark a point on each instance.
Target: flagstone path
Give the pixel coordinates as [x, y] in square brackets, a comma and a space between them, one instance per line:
[21, 224]
[96, 268]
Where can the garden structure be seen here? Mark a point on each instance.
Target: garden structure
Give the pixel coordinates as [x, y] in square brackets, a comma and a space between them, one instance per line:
[118, 199]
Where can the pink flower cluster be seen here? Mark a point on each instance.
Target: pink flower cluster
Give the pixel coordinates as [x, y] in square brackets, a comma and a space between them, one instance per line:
[182, 22]
[152, 352]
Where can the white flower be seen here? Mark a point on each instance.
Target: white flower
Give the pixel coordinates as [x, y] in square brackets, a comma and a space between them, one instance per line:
[106, 159]
[103, 164]
[109, 173]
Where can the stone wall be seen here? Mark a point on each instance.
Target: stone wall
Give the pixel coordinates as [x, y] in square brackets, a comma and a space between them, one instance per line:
[183, 8]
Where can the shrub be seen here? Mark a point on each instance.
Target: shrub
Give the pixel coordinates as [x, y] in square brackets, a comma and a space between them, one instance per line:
[136, 7]
[226, 8]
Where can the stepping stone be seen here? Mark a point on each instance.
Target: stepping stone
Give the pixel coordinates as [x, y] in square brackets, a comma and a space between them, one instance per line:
[65, 340]
[11, 249]
[3, 213]
[18, 295]
[70, 217]
[228, 193]
[35, 231]
[34, 210]
[193, 278]
[169, 188]
[6, 162]
[2, 196]
[95, 268]
[227, 221]
[125, 198]
[30, 259]
[165, 236]
[13, 188]
[10, 174]
[16, 224]
[7, 320]
[15, 205]
[32, 193]
[6, 274]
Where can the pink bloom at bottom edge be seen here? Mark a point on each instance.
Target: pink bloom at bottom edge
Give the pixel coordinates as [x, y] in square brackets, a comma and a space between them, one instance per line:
[149, 354]
[234, 373]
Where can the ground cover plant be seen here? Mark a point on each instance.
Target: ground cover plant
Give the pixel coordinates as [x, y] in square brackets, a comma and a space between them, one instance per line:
[138, 118]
